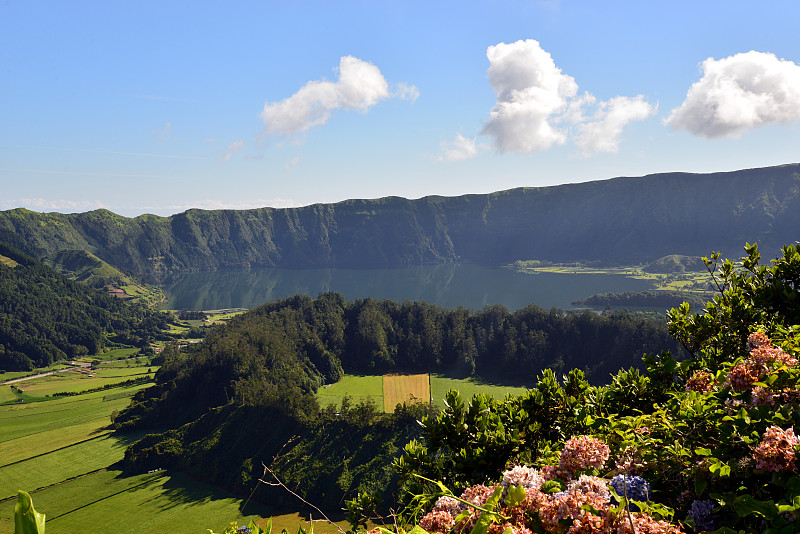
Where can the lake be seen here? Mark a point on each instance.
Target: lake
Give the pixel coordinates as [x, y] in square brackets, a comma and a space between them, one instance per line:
[450, 286]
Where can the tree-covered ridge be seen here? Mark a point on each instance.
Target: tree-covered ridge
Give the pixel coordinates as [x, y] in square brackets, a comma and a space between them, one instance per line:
[44, 317]
[234, 400]
[621, 221]
[278, 354]
[648, 299]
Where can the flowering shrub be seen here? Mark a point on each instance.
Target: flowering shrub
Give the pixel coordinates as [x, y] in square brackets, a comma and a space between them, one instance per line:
[711, 438]
[585, 506]
[776, 452]
[583, 453]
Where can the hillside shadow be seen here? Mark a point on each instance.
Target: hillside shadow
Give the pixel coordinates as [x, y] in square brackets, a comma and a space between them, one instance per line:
[180, 489]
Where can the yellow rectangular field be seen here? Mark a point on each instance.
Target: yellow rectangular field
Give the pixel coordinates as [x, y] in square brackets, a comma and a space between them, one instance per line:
[398, 389]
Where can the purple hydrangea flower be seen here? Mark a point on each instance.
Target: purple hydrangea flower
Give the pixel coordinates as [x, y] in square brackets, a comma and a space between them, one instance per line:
[638, 489]
[702, 514]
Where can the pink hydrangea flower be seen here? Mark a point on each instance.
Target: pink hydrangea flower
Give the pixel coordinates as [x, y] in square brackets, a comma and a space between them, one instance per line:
[758, 339]
[437, 521]
[524, 476]
[701, 381]
[776, 452]
[583, 452]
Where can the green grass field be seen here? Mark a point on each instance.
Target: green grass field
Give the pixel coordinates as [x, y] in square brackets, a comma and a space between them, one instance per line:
[64, 447]
[158, 502]
[18, 420]
[363, 387]
[358, 387]
[7, 394]
[116, 354]
[77, 381]
[13, 375]
[468, 387]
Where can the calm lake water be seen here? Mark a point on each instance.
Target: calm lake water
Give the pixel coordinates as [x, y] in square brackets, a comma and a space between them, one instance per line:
[471, 286]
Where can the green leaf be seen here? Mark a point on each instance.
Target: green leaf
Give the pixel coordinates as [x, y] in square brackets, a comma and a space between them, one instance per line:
[486, 519]
[417, 530]
[516, 495]
[745, 505]
[700, 451]
[26, 519]
[551, 486]
[700, 486]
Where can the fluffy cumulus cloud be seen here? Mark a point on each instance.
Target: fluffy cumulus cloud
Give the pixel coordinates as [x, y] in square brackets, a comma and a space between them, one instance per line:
[530, 91]
[738, 93]
[538, 106]
[602, 132]
[360, 86]
[458, 149]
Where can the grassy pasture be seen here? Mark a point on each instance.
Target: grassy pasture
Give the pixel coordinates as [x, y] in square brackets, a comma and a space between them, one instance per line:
[13, 375]
[46, 443]
[7, 394]
[115, 354]
[18, 420]
[468, 387]
[405, 388]
[63, 464]
[63, 447]
[363, 387]
[76, 381]
[157, 502]
[358, 387]
[32, 445]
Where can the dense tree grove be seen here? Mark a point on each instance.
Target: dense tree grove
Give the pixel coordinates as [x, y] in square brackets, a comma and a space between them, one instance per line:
[44, 317]
[280, 353]
[234, 400]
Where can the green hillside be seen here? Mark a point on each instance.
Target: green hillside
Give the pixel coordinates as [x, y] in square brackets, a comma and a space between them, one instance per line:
[45, 317]
[617, 221]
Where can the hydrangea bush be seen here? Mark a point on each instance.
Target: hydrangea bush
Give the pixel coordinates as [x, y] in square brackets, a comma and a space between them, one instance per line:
[688, 446]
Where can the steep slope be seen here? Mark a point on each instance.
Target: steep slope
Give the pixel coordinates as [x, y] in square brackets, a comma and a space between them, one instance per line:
[45, 317]
[622, 220]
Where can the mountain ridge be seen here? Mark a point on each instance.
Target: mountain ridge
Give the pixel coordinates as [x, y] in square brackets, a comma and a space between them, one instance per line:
[619, 220]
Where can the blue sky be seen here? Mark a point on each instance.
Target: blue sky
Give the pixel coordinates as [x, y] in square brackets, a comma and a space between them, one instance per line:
[157, 107]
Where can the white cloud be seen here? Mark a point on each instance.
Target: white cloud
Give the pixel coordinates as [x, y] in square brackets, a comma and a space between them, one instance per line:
[46, 205]
[738, 93]
[602, 132]
[458, 149]
[360, 86]
[403, 91]
[537, 104]
[232, 149]
[530, 91]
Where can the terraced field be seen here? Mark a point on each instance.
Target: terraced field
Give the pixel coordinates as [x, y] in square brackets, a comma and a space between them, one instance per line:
[61, 450]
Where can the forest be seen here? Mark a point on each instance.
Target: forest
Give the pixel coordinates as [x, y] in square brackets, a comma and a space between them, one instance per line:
[234, 400]
[45, 317]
